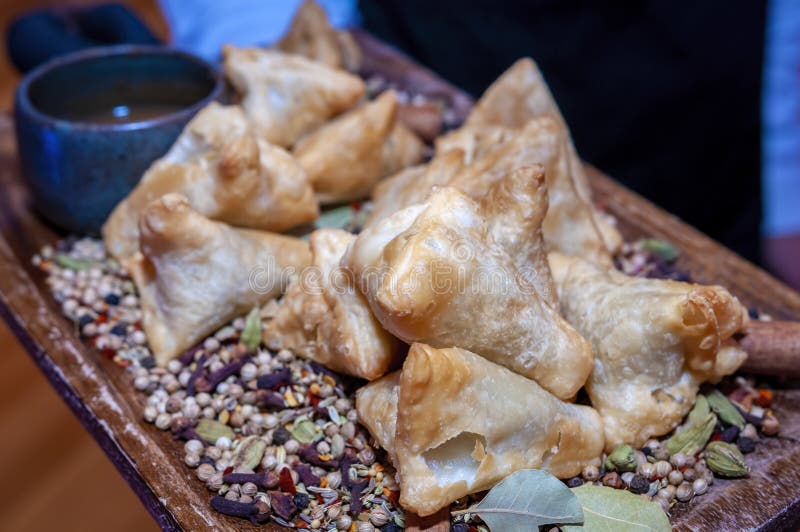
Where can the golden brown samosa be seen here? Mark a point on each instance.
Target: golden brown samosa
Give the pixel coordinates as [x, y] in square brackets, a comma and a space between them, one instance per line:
[376, 404]
[325, 318]
[517, 96]
[514, 208]
[464, 423]
[194, 275]
[655, 342]
[227, 173]
[413, 185]
[347, 156]
[311, 35]
[433, 273]
[286, 96]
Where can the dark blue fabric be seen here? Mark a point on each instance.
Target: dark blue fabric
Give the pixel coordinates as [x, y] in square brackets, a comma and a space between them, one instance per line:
[35, 37]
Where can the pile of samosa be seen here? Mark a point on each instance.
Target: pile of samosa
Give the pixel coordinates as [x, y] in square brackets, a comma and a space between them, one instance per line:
[485, 274]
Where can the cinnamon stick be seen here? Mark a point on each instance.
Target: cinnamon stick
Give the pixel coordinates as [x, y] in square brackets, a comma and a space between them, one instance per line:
[773, 348]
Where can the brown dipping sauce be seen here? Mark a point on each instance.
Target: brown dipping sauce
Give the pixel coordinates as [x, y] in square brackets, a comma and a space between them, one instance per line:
[122, 114]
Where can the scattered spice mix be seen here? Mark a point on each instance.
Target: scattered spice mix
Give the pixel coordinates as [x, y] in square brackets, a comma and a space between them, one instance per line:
[276, 438]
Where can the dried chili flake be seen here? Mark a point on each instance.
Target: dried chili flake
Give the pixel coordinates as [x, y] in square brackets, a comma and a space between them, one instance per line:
[286, 483]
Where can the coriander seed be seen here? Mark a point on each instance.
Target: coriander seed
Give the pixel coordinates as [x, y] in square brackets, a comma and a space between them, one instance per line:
[205, 472]
[194, 447]
[590, 473]
[678, 460]
[192, 460]
[150, 413]
[675, 477]
[343, 522]
[700, 486]
[663, 468]
[378, 516]
[684, 492]
[163, 421]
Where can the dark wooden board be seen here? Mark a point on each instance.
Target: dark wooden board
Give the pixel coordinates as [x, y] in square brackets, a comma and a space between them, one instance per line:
[101, 396]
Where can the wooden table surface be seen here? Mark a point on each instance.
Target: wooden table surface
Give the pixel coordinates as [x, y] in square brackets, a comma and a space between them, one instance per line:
[101, 395]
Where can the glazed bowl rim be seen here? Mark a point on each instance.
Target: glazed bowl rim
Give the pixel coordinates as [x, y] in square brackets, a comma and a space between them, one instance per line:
[24, 104]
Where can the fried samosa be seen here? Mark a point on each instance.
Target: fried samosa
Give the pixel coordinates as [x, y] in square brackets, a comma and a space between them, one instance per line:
[517, 96]
[325, 318]
[376, 404]
[286, 96]
[473, 142]
[432, 273]
[194, 275]
[655, 342]
[347, 156]
[227, 173]
[311, 35]
[514, 208]
[413, 185]
[501, 422]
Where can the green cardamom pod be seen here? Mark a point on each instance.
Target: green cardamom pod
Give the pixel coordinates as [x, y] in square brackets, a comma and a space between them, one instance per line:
[621, 459]
[249, 453]
[305, 431]
[691, 439]
[71, 263]
[251, 335]
[700, 410]
[725, 410]
[726, 460]
[211, 430]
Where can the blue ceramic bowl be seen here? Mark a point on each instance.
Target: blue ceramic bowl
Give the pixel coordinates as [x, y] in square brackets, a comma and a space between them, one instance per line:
[90, 123]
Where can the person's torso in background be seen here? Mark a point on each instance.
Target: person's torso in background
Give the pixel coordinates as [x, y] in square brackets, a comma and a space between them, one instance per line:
[662, 96]
[204, 26]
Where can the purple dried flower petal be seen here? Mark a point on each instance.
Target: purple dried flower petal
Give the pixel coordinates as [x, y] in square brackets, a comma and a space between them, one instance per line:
[306, 476]
[308, 453]
[199, 371]
[188, 433]
[355, 497]
[282, 504]
[348, 459]
[730, 434]
[272, 381]
[216, 377]
[266, 398]
[188, 356]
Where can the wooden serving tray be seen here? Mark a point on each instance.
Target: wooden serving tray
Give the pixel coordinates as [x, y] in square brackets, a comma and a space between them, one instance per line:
[102, 396]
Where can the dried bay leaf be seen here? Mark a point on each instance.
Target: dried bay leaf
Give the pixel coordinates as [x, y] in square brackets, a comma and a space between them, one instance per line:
[609, 509]
[251, 334]
[525, 500]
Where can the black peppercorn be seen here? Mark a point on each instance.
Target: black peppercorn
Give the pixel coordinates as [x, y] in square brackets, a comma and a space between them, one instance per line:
[119, 330]
[460, 527]
[391, 527]
[148, 362]
[281, 436]
[745, 444]
[730, 434]
[574, 482]
[84, 319]
[301, 500]
[639, 484]
[112, 299]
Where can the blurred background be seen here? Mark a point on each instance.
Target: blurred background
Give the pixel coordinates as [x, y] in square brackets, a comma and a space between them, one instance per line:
[693, 106]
